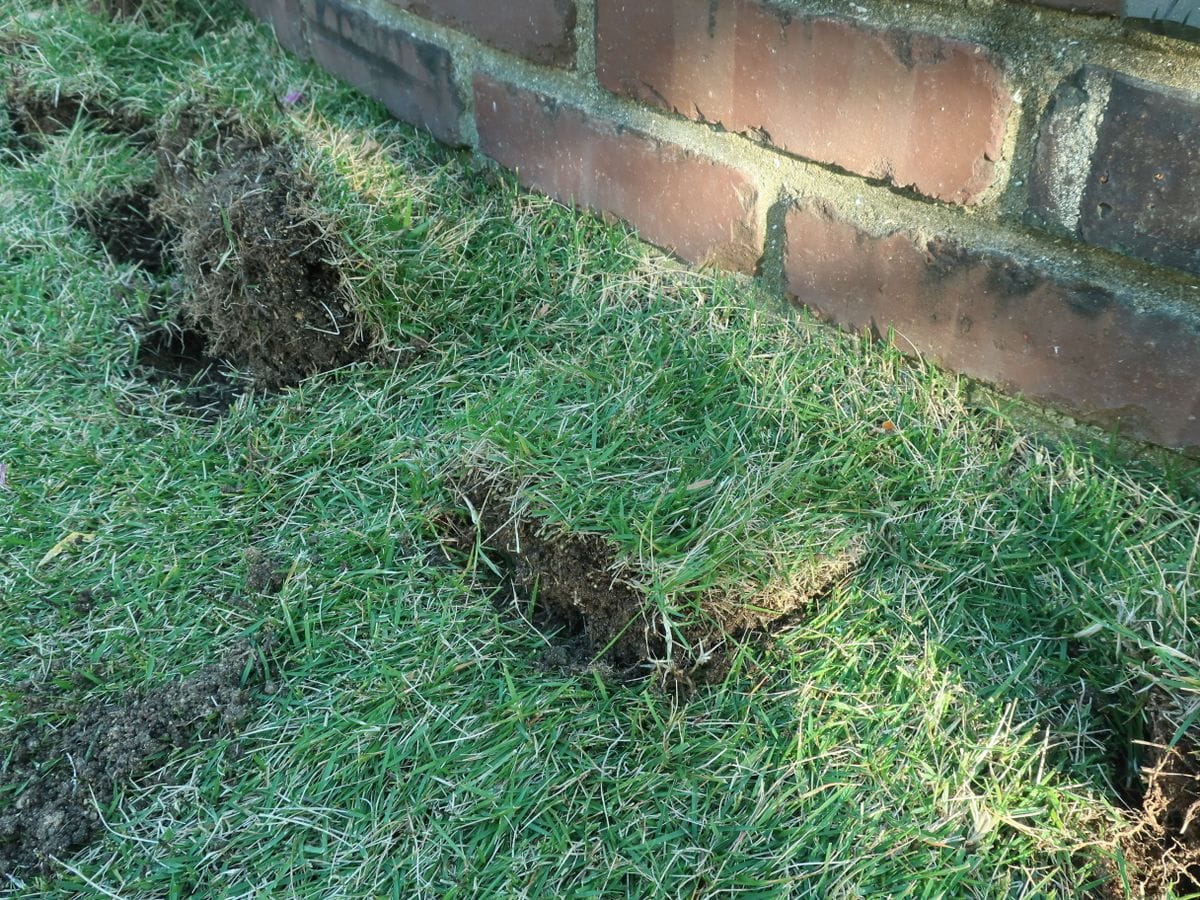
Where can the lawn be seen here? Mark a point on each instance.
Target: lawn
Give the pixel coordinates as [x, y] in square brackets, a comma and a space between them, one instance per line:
[502, 556]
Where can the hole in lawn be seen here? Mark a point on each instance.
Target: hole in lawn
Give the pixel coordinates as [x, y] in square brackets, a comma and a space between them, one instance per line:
[56, 774]
[1162, 845]
[34, 115]
[595, 615]
[160, 14]
[256, 283]
[130, 229]
[260, 272]
[178, 355]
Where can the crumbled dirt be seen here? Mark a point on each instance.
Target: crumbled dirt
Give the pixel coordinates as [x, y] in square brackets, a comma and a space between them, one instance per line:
[254, 283]
[88, 599]
[53, 779]
[1162, 846]
[261, 271]
[130, 229]
[265, 574]
[592, 608]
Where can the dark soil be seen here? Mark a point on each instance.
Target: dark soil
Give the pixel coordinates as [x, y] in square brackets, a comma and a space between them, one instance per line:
[130, 228]
[265, 574]
[590, 605]
[53, 779]
[1162, 846]
[254, 287]
[34, 115]
[174, 354]
[263, 283]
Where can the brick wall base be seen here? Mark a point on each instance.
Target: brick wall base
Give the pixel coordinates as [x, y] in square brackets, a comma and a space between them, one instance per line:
[1009, 188]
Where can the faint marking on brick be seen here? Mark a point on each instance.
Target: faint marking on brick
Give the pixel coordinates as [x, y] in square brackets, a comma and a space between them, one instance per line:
[913, 109]
[410, 76]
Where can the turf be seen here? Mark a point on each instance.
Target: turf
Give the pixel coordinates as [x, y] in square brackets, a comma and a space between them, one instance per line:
[960, 717]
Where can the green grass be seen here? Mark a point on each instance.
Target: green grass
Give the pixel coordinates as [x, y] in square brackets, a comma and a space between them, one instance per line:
[942, 725]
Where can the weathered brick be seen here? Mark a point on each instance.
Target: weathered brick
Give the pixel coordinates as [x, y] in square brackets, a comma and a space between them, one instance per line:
[1064, 150]
[914, 109]
[1118, 165]
[1143, 196]
[695, 207]
[284, 16]
[539, 30]
[1077, 346]
[410, 76]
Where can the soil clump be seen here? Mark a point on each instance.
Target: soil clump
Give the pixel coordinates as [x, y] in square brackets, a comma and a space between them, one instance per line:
[261, 271]
[265, 572]
[594, 611]
[1162, 846]
[53, 779]
[254, 283]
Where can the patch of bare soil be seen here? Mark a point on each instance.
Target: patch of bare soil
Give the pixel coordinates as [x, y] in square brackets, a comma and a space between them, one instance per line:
[34, 115]
[130, 228]
[592, 608]
[52, 780]
[1162, 846]
[261, 272]
[177, 355]
[265, 572]
[255, 284]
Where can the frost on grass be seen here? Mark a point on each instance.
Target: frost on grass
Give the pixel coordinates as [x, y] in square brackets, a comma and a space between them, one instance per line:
[54, 780]
[594, 610]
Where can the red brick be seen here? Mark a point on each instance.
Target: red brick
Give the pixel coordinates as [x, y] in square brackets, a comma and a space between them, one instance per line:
[693, 206]
[410, 76]
[284, 16]
[1076, 346]
[539, 30]
[914, 109]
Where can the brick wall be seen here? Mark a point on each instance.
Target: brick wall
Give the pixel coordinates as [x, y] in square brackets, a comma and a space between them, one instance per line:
[1010, 188]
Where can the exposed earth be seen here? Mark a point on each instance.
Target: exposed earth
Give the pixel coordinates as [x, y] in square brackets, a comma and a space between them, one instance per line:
[53, 778]
[591, 606]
